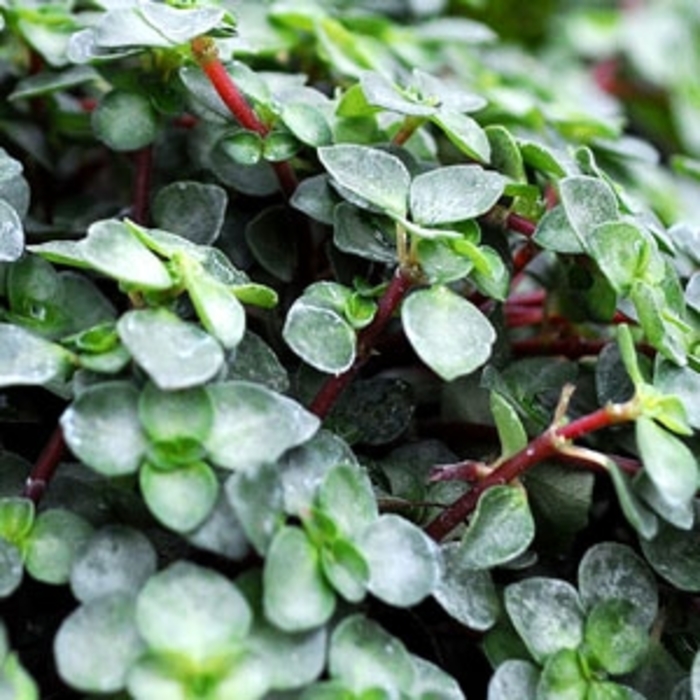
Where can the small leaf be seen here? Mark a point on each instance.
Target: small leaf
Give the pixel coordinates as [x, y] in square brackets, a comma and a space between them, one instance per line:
[181, 498]
[11, 233]
[245, 416]
[613, 637]
[637, 514]
[555, 232]
[125, 121]
[113, 250]
[563, 677]
[320, 336]
[97, 644]
[307, 123]
[669, 464]
[467, 595]
[510, 430]
[465, 133]
[174, 353]
[610, 571]
[588, 202]
[258, 501]
[675, 555]
[364, 234]
[449, 333]
[11, 568]
[194, 210]
[501, 528]
[297, 596]
[547, 614]
[17, 516]
[242, 146]
[345, 568]
[373, 175]
[404, 562]
[189, 610]
[363, 656]
[454, 193]
[26, 359]
[514, 678]
[56, 538]
[347, 496]
[116, 559]
[102, 428]
[268, 237]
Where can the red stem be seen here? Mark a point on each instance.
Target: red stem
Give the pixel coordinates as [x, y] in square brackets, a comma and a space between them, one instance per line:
[207, 56]
[45, 467]
[331, 390]
[520, 224]
[544, 446]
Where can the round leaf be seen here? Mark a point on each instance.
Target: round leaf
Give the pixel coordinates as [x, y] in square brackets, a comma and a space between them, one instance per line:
[297, 596]
[363, 655]
[258, 501]
[454, 193]
[174, 353]
[610, 571]
[189, 610]
[373, 175]
[102, 428]
[124, 121]
[98, 643]
[11, 233]
[173, 415]
[467, 595]
[547, 614]
[449, 333]
[112, 249]
[320, 336]
[56, 538]
[307, 123]
[613, 637]
[347, 496]
[501, 529]
[404, 563]
[116, 559]
[11, 568]
[563, 678]
[514, 678]
[27, 359]
[246, 418]
[181, 498]
[588, 202]
[194, 210]
[345, 568]
[17, 517]
[668, 462]
[675, 555]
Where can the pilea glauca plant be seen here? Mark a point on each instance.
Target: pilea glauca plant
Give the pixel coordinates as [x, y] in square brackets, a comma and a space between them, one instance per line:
[349, 351]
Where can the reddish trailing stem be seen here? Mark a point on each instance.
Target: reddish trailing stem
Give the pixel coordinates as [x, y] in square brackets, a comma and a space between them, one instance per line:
[546, 445]
[205, 53]
[334, 386]
[520, 224]
[45, 466]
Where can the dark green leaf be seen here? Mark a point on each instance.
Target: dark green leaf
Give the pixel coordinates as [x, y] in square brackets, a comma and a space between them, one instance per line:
[124, 121]
[364, 234]
[270, 237]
